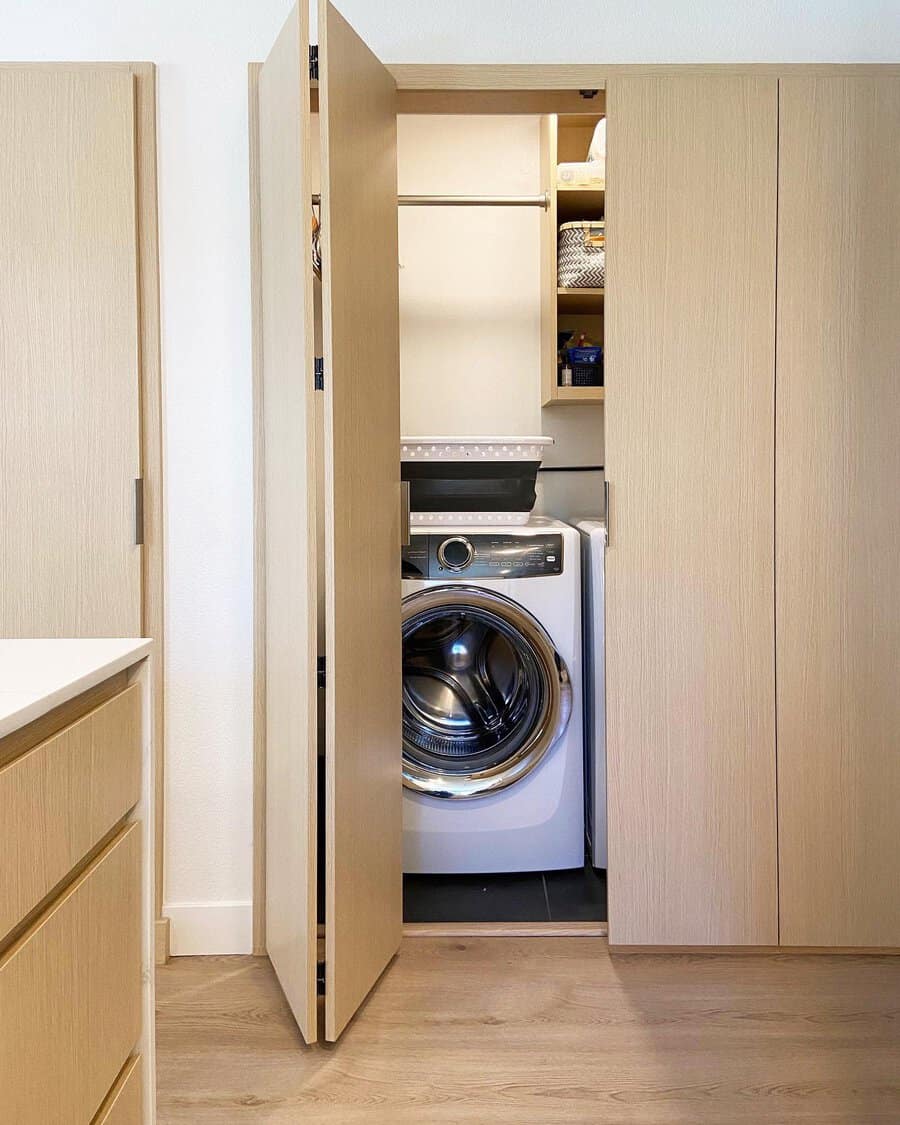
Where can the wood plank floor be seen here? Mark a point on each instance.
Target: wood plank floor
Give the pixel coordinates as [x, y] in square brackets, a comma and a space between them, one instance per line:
[544, 1031]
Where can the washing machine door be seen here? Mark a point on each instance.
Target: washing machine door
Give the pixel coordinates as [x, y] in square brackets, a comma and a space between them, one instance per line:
[485, 694]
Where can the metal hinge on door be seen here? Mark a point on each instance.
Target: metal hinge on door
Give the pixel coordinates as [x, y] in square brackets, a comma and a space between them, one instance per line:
[319, 373]
[320, 671]
[320, 978]
[314, 61]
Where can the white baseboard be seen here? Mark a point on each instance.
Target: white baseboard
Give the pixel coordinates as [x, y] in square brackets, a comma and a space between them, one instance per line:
[205, 928]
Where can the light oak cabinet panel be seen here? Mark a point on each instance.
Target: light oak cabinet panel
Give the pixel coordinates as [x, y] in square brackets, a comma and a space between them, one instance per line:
[123, 1105]
[838, 516]
[61, 798]
[690, 336]
[69, 341]
[70, 994]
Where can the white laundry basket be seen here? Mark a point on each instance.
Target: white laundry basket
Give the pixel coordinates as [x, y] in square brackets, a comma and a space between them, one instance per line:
[459, 480]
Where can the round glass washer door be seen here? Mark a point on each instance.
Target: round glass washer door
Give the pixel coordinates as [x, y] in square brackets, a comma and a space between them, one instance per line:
[485, 694]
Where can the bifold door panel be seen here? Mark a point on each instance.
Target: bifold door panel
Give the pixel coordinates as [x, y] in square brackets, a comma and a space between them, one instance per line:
[360, 303]
[838, 518]
[690, 337]
[355, 458]
[289, 422]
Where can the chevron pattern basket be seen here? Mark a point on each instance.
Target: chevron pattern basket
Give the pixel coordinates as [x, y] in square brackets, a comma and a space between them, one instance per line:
[582, 255]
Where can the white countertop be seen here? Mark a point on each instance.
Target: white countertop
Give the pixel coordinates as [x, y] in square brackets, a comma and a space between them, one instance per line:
[38, 675]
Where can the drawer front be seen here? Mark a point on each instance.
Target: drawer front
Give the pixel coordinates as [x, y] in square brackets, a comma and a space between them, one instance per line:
[61, 798]
[123, 1105]
[70, 994]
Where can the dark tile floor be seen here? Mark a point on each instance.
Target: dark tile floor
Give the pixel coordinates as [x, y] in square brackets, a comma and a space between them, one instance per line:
[552, 896]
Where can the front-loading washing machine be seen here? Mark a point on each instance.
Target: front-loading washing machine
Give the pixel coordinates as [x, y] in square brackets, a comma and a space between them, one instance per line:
[492, 717]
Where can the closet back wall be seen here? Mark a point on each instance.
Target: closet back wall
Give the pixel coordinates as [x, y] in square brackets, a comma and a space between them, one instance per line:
[202, 51]
[470, 299]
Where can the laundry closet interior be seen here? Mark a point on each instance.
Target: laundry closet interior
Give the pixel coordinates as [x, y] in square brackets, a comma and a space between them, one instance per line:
[424, 760]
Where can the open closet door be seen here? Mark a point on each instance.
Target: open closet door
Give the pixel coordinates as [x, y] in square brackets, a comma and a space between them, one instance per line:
[363, 914]
[286, 281]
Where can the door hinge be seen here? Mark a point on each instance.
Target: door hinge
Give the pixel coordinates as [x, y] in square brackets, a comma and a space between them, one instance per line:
[314, 61]
[138, 511]
[320, 671]
[319, 373]
[320, 978]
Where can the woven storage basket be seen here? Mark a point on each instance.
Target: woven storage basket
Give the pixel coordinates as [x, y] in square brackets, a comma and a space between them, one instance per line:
[582, 255]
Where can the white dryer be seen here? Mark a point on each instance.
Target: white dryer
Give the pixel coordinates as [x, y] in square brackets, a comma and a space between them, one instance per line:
[492, 718]
[593, 564]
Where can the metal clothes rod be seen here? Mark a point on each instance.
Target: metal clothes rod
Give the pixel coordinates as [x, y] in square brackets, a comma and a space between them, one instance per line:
[542, 201]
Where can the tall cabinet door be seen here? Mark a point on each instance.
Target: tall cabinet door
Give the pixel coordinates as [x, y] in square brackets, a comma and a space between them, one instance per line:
[363, 913]
[69, 353]
[837, 516]
[691, 206]
[286, 286]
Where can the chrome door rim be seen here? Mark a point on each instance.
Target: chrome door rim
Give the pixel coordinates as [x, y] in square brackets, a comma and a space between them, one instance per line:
[554, 713]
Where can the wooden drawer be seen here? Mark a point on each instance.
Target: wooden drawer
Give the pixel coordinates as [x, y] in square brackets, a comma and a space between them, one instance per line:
[70, 994]
[58, 800]
[123, 1104]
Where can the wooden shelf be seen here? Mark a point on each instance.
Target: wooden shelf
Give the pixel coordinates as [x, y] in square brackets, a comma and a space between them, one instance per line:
[579, 202]
[576, 394]
[579, 300]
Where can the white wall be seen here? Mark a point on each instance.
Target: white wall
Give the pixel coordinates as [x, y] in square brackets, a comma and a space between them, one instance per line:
[202, 49]
[470, 301]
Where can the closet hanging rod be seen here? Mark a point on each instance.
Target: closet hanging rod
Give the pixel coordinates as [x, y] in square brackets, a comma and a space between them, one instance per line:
[542, 200]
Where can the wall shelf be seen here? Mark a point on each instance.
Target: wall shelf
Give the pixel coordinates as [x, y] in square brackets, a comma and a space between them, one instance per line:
[566, 138]
[579, 300]
[576, 394]
[580, 202]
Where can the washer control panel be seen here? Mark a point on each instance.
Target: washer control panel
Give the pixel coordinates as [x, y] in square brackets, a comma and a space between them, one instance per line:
[482, 555]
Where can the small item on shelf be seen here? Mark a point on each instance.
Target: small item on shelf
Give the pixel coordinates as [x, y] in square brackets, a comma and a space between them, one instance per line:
[582, 173]
[586, 362]
[565, 376]
[582, 255]
[597, 150]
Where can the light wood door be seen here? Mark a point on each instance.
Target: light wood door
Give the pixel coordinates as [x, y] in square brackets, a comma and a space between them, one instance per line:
[290, 520]
[838, 516]
[69, 392]
[691, 190]
[363, 916]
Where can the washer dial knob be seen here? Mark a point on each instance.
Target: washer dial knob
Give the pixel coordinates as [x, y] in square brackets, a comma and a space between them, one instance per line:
[455, 553]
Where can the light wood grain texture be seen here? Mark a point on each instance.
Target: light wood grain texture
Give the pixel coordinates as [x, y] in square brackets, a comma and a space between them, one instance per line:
[504, 929]
[290, 530]
[259, 529]
[153, 551]
[152, 612]
[549, 350]
[473, 102]
[70, 994]
[578, 76]
[68, 342]
[123, 1104]
[838, 517]
[360, 304]
[542, 1032]
[17, 742]
[689, 445]
[61, 798]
